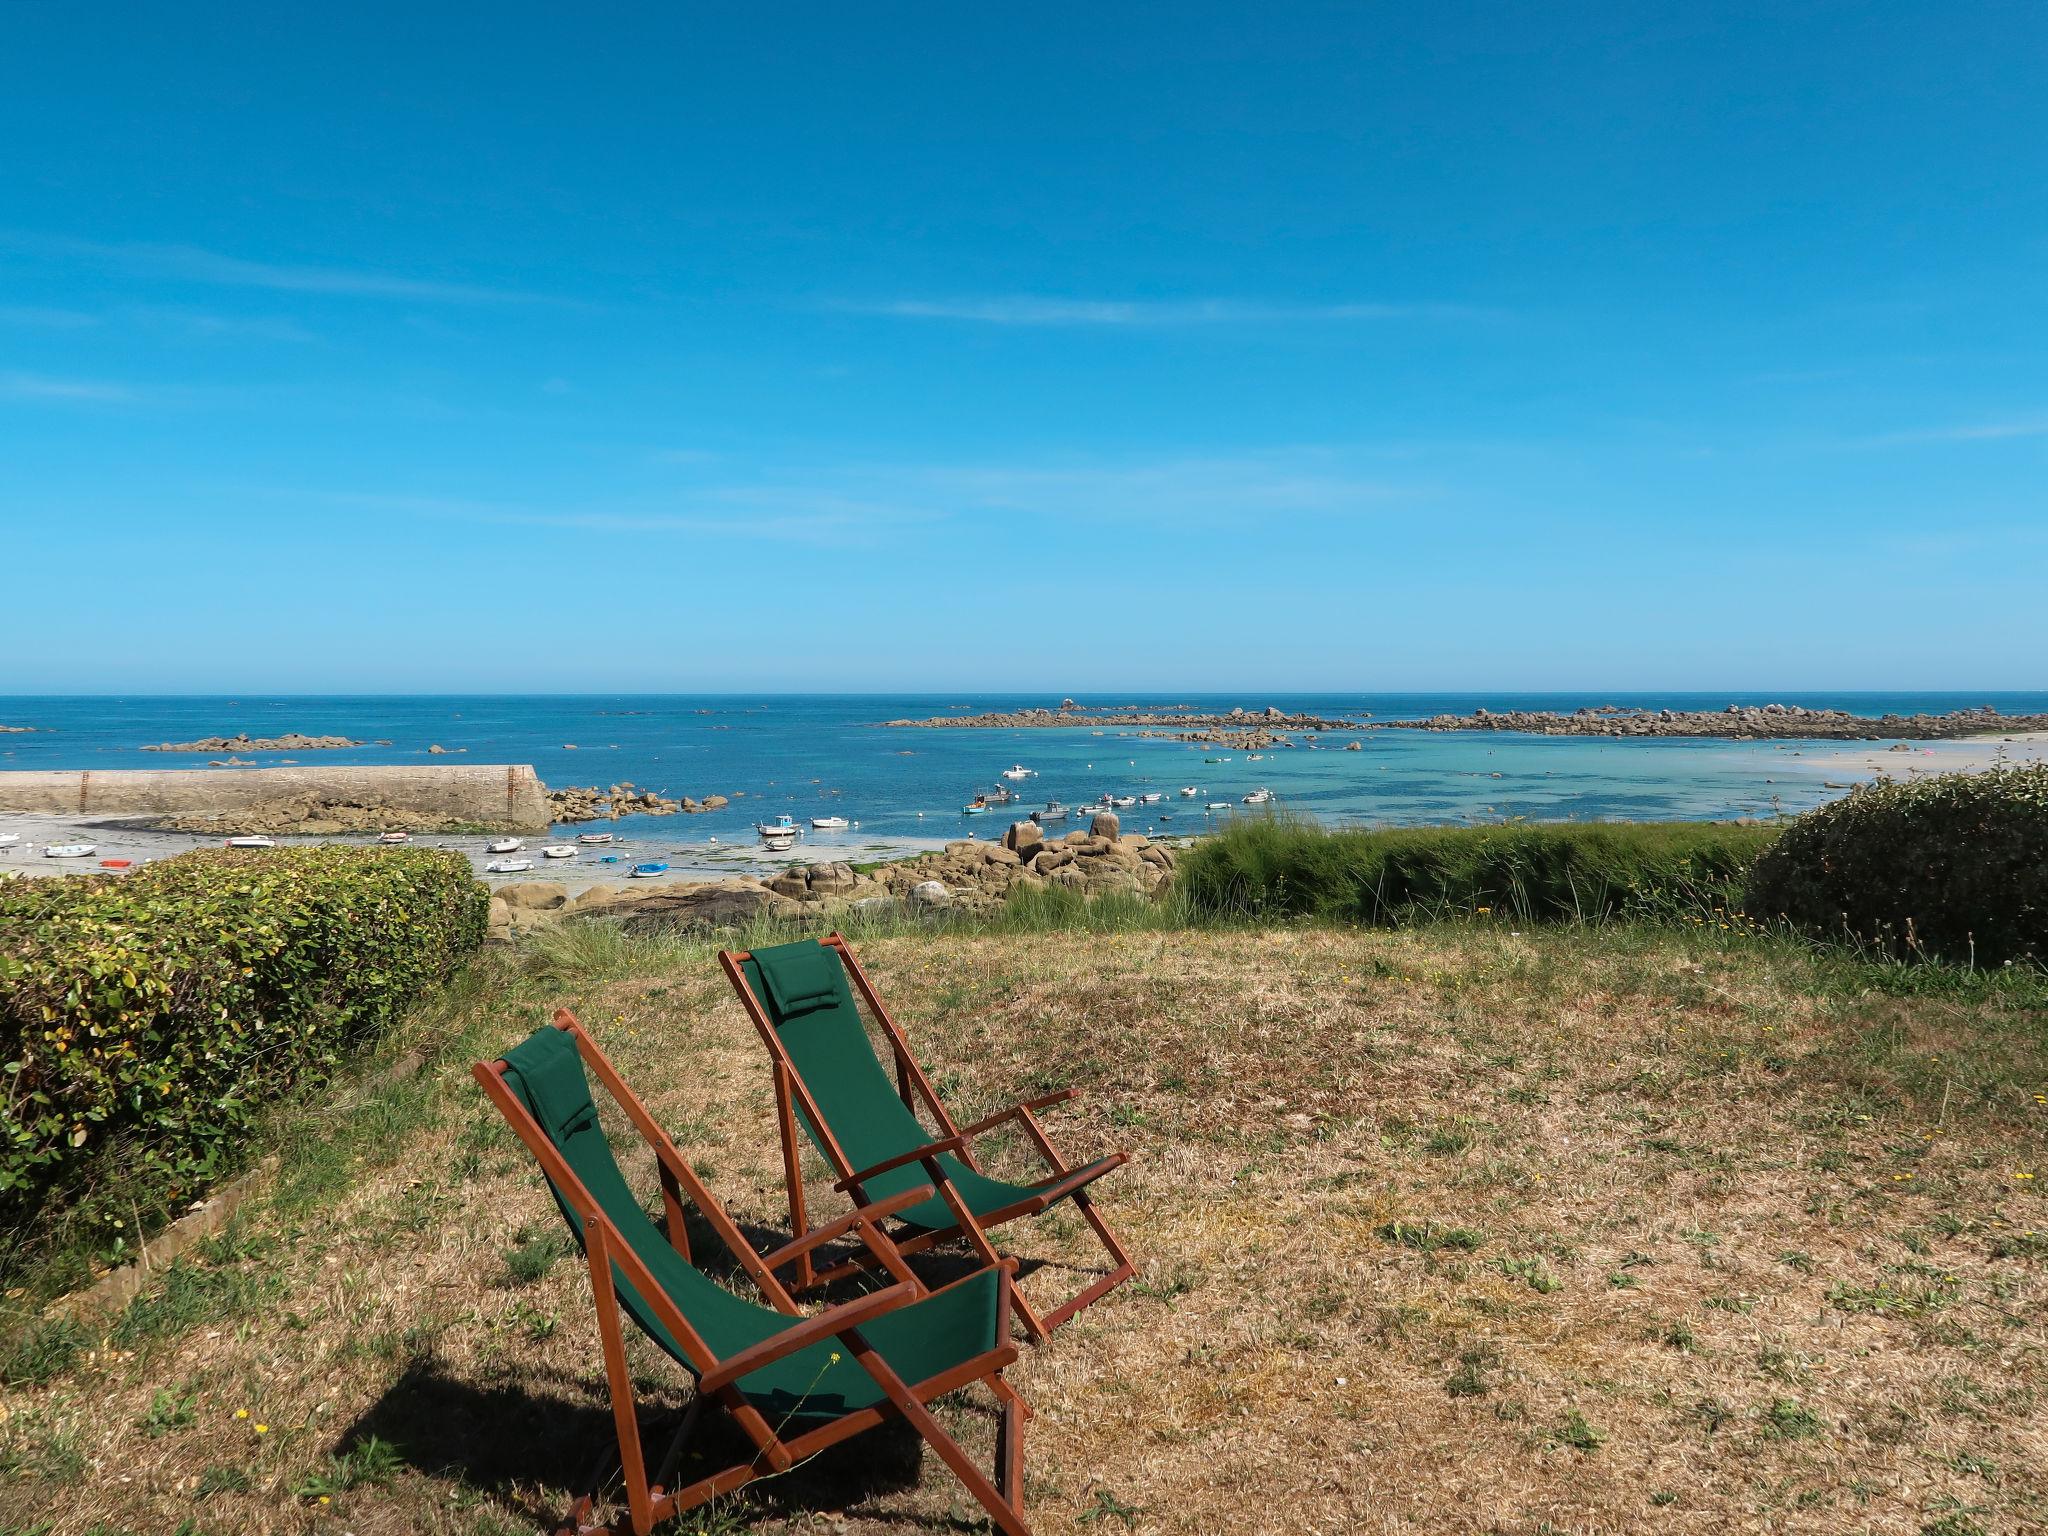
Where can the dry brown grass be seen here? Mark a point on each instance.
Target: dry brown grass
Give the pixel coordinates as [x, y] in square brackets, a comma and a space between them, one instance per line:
[1686, 1241]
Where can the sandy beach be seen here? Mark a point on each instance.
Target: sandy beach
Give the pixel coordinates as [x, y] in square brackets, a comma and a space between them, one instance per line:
[1848, 762]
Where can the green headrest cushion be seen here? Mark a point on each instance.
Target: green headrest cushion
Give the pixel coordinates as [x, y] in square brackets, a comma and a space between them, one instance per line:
[547, 1072]
[799, 977]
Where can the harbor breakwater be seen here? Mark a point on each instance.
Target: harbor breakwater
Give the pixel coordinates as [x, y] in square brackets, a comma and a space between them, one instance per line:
[498, 796]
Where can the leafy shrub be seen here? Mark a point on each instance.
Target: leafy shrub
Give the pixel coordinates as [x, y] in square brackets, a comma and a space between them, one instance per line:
[1952, 866]
[146, 1021]
[1277, 866]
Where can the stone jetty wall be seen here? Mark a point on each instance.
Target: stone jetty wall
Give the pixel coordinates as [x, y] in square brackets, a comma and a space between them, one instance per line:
[501, 796]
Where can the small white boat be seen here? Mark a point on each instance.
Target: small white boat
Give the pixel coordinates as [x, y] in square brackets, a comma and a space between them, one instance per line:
[1255, 757]
[559, 851]
[646, 871]
[9, 839]
[253, 840]
[594, 839]
[508, 866]
[504, 845]
[1019, 771]
[394, 837]
[1258, 797]
[1188, 791]
[70, 851]
[1217, 805]
[1150, 797]
[1121, 801]
[778, 842]
[830, 821]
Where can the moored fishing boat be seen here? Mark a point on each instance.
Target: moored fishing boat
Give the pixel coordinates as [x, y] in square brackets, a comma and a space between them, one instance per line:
[594, 839]
[829, 822]
[394, 837]
[252, 840]
[70, 850]
[1053, 811]
[646, 871]
[1019, 771]
[559, 851]
[504, 845]
[781, 826]
[1150, 797]
[9, 839]
[508, 866]
[1258, 797]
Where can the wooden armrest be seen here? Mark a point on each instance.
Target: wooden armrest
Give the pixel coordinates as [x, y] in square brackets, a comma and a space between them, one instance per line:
[914, 1155]
[833, 1230]
[1043, 1101]
[833, 1320]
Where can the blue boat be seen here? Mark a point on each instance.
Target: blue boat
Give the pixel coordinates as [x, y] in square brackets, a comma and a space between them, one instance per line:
[647, 871]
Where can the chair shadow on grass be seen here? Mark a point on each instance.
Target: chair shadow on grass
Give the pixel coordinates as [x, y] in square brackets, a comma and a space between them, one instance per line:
[537, 1444]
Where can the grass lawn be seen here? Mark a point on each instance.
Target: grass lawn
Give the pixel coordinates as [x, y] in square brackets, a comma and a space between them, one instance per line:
[1446, 1229]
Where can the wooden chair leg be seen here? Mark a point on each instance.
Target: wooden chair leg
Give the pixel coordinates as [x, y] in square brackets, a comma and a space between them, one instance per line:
[1008, 1518]
[793, 1175]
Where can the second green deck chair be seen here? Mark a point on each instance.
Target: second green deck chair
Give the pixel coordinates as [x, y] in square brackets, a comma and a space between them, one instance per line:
[828, 1078]
[794, 1385]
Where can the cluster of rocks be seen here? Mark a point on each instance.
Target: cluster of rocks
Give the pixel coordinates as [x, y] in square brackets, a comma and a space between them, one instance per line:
[308, 816]
[290, 741]
[1071, 714]
[968, 876]
[1741, 721]
[586, 802]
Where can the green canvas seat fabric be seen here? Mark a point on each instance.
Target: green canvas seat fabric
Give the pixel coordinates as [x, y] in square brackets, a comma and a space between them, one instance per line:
[829, 1044]
[919, 1341]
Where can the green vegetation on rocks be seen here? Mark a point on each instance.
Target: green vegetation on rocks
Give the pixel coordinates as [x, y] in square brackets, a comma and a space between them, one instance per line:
[1952, 866]
[147, 1021]
[1275, 866]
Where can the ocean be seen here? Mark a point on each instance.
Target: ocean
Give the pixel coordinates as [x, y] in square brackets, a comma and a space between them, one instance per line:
[818, 755]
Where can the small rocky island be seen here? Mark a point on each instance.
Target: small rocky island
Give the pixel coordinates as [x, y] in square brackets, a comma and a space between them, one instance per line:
[586, 802]
[1270, 727]
[291, 741]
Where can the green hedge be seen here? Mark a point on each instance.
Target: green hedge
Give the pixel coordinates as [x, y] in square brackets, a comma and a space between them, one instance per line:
[146, 1020]
[1952, 866]
[1581, 872]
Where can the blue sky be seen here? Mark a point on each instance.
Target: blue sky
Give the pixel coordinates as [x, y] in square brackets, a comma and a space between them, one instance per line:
[888, 346]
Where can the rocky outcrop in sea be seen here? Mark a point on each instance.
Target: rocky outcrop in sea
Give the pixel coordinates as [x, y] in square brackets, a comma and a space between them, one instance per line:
[291, 741]
[589, 803]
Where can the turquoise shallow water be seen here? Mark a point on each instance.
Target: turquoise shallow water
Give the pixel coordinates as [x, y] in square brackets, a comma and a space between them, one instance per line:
[828, 755]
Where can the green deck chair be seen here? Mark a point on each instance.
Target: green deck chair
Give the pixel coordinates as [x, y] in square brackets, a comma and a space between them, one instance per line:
[795, 1385]
[828, 1078]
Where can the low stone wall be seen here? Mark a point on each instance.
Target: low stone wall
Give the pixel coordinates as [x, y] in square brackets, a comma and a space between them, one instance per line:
[501, 796]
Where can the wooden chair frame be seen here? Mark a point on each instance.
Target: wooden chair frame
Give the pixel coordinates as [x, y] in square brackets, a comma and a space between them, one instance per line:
[649, 1501]
[1066, 1182]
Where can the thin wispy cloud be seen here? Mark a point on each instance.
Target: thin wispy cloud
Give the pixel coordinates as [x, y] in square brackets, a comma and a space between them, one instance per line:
[195, 264]
[754, 513]
[1966, 432]
[39, 386]
[46, 318]
[869, 504]
[1035, 310]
